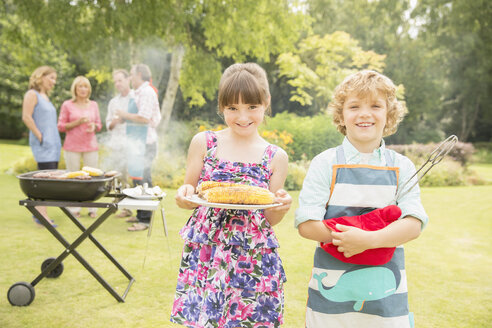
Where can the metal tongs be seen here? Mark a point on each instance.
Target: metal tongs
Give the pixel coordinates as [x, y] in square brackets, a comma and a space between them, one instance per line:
[434, 158]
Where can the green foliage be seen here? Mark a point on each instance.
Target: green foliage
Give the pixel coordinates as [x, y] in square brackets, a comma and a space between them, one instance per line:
[296, 174]
[24, 50]
[483, 152]
[461, 30]
[311, 135]
[319, 64]
[199, 64]
[451, 171]
[169, 170]
[447, 173]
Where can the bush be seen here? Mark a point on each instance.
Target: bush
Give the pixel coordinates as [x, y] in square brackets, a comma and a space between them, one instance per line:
[447, 173]
[296, 174]
[483, 152]
[169, 170]
[451, 171]
[419, 153]
[310, 135]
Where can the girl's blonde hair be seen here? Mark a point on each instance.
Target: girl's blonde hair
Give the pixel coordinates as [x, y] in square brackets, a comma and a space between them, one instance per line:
[247, 81]
[76, 82]
[366, 83]
[36, 79]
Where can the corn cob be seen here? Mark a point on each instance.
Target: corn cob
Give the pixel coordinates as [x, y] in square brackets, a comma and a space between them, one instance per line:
[71, 175]
[93, 172]
[212, 184]
[243, 194]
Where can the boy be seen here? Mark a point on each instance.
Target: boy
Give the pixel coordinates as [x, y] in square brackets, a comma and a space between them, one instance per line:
[344, 181]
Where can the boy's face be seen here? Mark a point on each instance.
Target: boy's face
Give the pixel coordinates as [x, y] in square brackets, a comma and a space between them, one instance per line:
[364, 117]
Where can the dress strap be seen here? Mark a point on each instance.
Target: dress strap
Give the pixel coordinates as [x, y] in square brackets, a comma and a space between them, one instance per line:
[211, 138]
[268, 154]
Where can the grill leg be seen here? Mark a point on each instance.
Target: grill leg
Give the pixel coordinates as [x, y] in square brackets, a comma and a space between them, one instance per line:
[70, 249]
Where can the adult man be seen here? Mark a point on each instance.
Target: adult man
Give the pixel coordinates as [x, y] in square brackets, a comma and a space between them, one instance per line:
[116, 126]
[142, 118]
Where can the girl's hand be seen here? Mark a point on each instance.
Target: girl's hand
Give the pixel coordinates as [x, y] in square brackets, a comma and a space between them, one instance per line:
[351, 240]
[184, 191]
[275, 214]
[282, 196]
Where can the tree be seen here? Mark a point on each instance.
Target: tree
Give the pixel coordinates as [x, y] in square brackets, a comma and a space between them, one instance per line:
[461, 30]
[21, 51]
[198, 32]
[319, 64]
[386, 28]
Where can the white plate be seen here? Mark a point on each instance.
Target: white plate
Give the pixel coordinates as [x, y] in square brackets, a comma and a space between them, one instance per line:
[132, 192]
[197, 200]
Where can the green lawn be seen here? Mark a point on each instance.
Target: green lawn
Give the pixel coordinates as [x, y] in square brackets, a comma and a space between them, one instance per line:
[448, 267]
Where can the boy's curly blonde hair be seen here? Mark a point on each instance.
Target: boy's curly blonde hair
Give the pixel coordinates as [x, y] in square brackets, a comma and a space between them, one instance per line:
[367, 83]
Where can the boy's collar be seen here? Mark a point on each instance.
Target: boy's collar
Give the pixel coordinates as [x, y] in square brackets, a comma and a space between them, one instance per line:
[353, 155]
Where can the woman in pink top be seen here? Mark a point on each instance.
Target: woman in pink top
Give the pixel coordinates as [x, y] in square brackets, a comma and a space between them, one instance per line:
[80, 120]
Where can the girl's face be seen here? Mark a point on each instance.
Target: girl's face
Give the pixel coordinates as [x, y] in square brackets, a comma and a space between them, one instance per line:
[48, 82]
[364, 117]
[82, 90]
[244, 119]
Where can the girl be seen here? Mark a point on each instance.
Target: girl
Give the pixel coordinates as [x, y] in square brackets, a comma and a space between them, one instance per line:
[79, 119]
[231, 274]
[39, 115]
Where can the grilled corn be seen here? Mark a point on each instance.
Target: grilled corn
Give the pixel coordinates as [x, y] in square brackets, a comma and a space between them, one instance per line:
[71, 175]
[93, 172]
[239, 194]
[205, 185]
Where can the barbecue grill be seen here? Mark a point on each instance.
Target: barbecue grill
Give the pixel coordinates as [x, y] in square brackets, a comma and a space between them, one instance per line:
[74, 193]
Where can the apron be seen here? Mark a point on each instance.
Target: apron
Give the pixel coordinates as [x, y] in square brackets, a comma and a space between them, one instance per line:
[136, 136]
[349, 295]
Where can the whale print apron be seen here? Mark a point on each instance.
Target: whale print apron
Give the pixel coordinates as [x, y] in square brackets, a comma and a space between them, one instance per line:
[350, 295]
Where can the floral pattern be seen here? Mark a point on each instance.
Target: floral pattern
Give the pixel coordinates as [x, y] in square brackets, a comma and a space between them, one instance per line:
[231, 274]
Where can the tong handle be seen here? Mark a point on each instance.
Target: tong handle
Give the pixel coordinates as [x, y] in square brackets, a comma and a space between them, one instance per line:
[435, 158]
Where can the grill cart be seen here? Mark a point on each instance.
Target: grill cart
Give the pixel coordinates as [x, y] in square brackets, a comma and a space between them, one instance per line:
[73, 193]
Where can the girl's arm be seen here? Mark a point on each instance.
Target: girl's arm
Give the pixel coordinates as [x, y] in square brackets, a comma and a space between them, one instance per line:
[279, 167]
[30, 101]
[352, 241]
[194, 165]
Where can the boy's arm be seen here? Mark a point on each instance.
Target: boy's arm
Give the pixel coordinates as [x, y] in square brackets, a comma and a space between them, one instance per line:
[315, 230]
[352, 240]
[313, 198]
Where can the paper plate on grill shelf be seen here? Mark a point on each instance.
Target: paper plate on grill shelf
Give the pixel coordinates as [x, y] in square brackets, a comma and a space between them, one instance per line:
[200, 201]
[140, 193]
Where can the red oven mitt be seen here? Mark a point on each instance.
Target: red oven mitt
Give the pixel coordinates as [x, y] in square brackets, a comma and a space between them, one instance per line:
[374, 220]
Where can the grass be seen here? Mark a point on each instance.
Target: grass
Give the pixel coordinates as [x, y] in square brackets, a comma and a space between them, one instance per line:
[484, 170]
[448, 267]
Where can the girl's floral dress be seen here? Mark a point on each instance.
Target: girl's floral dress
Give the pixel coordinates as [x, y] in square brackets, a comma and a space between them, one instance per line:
[231, 274]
